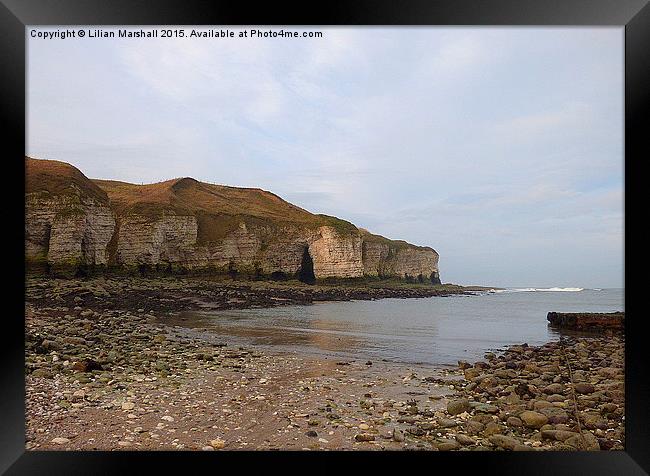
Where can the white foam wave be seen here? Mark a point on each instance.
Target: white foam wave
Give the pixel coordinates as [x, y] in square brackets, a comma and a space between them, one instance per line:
[547, 290]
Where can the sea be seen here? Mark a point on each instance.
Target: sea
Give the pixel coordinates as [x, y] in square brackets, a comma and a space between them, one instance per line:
[436, 331]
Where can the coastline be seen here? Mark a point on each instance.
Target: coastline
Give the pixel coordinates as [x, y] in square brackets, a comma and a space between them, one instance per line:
[104, 373]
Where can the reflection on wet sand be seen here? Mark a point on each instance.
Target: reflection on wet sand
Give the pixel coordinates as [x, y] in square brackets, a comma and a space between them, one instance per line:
[321, 334]
[438, 331]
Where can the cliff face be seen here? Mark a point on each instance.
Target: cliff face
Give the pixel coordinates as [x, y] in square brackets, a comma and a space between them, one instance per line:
[185, 224]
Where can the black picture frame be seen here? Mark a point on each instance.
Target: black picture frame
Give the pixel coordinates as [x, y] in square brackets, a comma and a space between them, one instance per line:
[633, 15]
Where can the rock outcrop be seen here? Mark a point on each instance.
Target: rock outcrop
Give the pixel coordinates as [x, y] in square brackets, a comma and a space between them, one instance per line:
[591, 321]
[184, 224]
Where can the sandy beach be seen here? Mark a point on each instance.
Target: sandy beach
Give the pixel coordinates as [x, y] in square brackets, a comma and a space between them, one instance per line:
[104, 372]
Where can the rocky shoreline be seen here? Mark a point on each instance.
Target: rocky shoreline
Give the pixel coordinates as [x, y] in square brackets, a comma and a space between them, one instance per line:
[103, 373]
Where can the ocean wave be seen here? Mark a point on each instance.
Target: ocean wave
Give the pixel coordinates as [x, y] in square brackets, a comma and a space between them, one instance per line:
[541, 290]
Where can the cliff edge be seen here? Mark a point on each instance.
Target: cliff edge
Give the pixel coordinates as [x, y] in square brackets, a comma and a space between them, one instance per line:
[183, 224]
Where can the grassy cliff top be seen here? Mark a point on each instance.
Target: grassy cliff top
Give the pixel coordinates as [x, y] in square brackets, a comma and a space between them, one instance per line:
[52, 177]
[395, 244]
[189, 196]
[218, 208]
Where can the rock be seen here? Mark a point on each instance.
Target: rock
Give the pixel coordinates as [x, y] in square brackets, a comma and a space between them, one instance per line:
[207, 448]
[168, 418]
[555, 415]
[447, 445]
[585, 441]
[217, 444]
[454, 407]
[484, 407]
[86, 365]
[129, 406]
[364, 427]
[311, 434]
[465, 440]
[472, 373]
[584, 388]
[505, 442]
[514, 421]
[555, 398]
[42, 373]
[50, 345]
[72, 340]
[398, 435]
[416, 431]
[594, 321]
[78, 395]
[493, 428]
[445, 423]
[364, 437]
[429, 426]
[608, 408]
[474, 427]
[554, 388]
[60, 441]
[592, 421]
[533, 419]
[558, 435]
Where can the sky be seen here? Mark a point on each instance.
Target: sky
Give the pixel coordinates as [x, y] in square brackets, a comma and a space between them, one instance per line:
[501, 148]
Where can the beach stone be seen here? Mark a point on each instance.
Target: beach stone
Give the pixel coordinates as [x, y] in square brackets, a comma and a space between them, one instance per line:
[428, 426]
[533, 419]
[585, 441]
[86, 365]
[445, 423]
[472, 373]
[555, 398]
[493, 428]
[447, 445]
[554, 388]
[454, 407]
[505, 442]
[514, 421]
[593, 421]
[50, 345]
[559, 435]
[555, 415]
[584, 388]
[465, 440]
[42, 373]
[78, 395]
[607, 408]
[485, 407]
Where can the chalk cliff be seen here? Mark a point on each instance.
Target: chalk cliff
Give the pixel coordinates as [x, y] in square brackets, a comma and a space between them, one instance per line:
[183, 224]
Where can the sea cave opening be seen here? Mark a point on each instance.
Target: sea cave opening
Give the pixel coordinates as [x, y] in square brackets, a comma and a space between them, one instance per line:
[306, 272]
